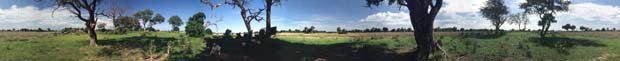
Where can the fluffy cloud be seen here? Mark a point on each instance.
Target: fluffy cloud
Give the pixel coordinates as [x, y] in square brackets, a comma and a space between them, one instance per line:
[595, 12]
[388, 18]
[460, 6]
[34, 17]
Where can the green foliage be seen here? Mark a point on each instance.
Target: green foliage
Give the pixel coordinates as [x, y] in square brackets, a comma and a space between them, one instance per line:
[175, 21]
[126, 23]
[156, 20]
[144, 15]
[495, 10]
[194, 26]
[545, 9]
[208, 31]
[341, 30]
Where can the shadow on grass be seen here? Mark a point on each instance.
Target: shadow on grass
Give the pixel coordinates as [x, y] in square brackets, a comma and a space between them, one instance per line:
[269, 49]
[562, 44]
[483, 35]
[137, 42]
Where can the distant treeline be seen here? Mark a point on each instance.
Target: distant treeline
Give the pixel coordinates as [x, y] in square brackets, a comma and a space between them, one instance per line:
[28, 30]
[438, 29]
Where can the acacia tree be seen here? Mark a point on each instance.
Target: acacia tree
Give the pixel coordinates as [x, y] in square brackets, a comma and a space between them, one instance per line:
[545, 10]
[566, 27]
[175, 21]
[156, 20]
[268, 4]
[247, 19]
[127, 23]
[422, 14]
[80, 7]
[520, 19]
[495, 10]
[144, 15]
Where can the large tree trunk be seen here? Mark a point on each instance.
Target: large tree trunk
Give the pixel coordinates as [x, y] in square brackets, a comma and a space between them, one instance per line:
[497, 29]
[90, 27]
[422, 22]
[268, 26]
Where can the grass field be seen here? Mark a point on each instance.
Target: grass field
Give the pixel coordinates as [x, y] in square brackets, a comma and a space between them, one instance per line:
[467, 46]
[476, 46]
[45, 46]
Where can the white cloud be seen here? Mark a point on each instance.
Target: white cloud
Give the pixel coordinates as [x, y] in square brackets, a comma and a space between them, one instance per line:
[595, 12]
[34, 17]
[460, 6]
[388, 18]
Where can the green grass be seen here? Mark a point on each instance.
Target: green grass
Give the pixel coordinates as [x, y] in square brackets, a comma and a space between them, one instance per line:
[74, 47]
[511, 46]
[526, 46]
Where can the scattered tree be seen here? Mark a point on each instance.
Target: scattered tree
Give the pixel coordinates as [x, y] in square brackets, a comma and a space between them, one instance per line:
[495, 10]
[208, 31]
[422, 14]
[144, 15]
[194, 26]
[101, 26]
[241, 4]
[175, 21]
[156, 20]
[268, 4]
[125, 23]
[520, 19]
[341, 30]
[545, 10]
[77, 8]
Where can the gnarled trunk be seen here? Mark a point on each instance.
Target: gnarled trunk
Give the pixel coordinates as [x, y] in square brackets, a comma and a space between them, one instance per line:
[90, 27]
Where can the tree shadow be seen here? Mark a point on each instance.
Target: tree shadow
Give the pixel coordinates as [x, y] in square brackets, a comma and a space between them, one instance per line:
[562, 44]
[482, 35]
[270, 49]
[145, 43]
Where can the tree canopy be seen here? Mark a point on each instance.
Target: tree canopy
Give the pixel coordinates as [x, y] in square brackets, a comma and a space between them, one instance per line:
[194, 26]
[495, 10]
[144, 15]
[175, 21]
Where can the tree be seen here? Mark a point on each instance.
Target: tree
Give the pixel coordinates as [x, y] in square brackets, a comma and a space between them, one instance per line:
[566, 27]
[422, 14]
[268, 4]
[519, 19]
[208, 31]
[125, 23]
[156, 20]
[341, 30]
[545, 10]
[115, 11]
[77, 8]
[495, 10]
[572, 27]
[175, 21]
[144, 15]
[241, 4]
[101, 26]
[584, 28]
[385, 29]
[194, 26]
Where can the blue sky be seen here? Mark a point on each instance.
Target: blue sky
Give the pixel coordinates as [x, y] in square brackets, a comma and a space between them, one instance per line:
[323, 14]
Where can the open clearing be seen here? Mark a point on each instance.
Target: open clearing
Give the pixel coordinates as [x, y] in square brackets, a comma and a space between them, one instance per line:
[468, 46]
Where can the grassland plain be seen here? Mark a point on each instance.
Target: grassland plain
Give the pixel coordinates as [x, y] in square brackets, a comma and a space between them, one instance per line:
[477, 46]
[46, 46]
[464, 46]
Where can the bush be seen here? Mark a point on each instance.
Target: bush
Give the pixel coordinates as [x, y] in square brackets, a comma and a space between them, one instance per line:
[208, 31]
[194, 26]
